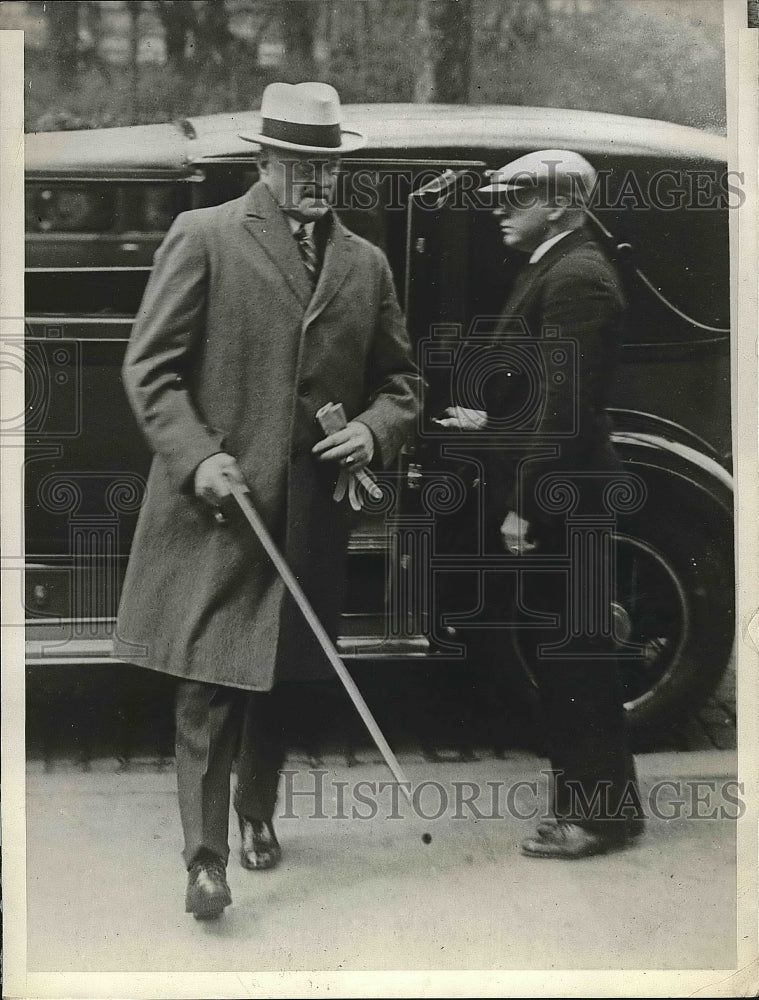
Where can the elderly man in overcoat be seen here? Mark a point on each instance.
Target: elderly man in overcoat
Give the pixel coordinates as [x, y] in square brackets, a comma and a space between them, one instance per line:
[258, 312]
[554, 432]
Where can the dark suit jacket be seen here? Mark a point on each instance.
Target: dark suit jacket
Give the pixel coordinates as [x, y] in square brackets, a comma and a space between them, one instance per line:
[567, 307]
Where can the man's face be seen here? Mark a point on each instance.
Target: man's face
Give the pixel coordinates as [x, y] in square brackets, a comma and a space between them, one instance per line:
[525, 219]
[303, 184]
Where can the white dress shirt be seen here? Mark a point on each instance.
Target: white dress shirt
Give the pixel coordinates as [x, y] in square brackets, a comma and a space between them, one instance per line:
[546, 245]
[294, 224]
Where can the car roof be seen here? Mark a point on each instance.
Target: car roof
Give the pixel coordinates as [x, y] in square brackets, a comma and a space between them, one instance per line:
[396, 127]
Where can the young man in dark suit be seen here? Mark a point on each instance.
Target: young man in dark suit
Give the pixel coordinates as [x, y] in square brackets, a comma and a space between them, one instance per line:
[557, 466]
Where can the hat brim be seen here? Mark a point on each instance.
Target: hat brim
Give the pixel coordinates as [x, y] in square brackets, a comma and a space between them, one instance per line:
[506, 187]
[350, 142]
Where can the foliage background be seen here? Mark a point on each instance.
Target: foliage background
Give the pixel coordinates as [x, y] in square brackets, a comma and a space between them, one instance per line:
[125, 61]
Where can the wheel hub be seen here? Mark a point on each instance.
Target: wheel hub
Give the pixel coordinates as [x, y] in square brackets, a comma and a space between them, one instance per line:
[622, 623]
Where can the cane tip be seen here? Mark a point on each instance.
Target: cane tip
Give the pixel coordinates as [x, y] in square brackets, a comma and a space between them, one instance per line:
[426, 838]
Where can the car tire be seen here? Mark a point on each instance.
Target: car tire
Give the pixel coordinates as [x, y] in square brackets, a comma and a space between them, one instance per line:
[674, 611]
[682, 612]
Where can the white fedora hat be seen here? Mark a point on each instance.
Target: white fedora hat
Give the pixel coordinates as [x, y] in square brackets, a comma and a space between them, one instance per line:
[304, 117]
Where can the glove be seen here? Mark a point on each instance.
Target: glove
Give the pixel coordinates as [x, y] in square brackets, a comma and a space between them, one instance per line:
[332, 418]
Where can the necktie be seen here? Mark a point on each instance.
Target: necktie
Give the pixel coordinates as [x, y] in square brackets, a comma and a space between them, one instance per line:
[307, 252]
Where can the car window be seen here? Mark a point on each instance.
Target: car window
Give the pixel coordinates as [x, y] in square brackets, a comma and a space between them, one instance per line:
[70, 208]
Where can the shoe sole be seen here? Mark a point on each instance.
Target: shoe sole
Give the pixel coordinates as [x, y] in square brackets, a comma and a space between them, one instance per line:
[635, 834]
[562, 856]
[207, 908]
[255, 867]
[211, 915]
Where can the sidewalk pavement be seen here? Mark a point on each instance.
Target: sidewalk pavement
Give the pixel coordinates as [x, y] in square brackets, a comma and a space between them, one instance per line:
[106, 880]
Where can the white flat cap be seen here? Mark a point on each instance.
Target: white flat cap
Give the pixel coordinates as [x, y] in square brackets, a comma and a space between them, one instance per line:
[560, 170]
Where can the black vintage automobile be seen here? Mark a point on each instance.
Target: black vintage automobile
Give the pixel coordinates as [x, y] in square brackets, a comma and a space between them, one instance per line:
[97, 206]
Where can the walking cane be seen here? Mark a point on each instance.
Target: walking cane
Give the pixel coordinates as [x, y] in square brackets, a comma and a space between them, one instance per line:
[241, 496]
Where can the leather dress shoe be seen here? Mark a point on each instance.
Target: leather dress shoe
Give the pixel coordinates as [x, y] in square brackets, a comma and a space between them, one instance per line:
[633, 827]
[568, 841]
[207, 890]
[260, 848]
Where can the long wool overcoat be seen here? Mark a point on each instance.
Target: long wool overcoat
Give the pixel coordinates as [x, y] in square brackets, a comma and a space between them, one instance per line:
[232, 352]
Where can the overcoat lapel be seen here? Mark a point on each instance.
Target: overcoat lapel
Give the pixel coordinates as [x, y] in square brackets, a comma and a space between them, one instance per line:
[335, 269]
[268, 226]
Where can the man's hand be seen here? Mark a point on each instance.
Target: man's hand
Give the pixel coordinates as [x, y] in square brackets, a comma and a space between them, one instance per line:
[353, 446]
[514, 532]
[214, 476]
[463, 419]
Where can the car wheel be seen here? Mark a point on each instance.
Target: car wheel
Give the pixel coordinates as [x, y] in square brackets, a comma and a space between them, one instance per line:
[674, 615]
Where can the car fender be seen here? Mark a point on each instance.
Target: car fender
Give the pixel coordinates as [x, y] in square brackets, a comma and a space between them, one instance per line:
[662, 460]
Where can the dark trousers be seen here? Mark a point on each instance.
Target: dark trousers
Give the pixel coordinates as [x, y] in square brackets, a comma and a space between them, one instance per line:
[215, 725]
[594, 771]
[582, 704]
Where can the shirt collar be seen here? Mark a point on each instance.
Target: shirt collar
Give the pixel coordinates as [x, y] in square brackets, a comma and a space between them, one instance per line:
[294, 224]
[546, 245]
